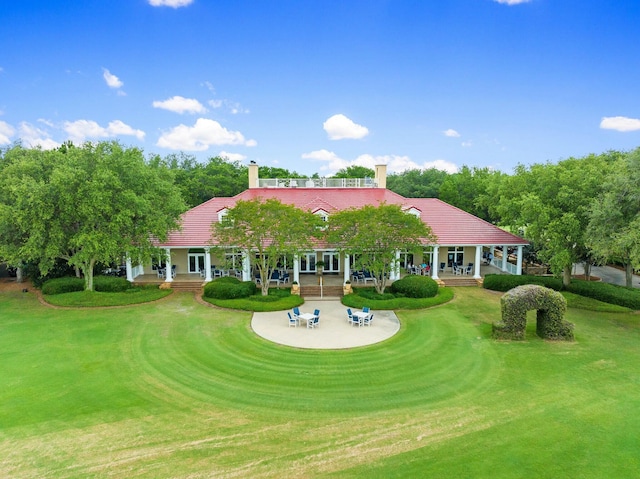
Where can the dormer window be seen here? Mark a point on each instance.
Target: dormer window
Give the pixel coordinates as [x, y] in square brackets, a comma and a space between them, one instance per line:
[222, 215]
[414, 211]
[323, 214]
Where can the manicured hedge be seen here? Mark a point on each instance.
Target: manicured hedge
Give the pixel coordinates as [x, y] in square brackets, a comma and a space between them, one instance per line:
[229, 287]
[63, 285]
[69, 284]
[110, 284]
[606, 292]
[414, 286]
[505, 282]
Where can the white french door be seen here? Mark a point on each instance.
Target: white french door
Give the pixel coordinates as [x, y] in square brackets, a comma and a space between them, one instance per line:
[196, 262]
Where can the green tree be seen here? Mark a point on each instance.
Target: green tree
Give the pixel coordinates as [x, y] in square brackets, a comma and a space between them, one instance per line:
[550, 204]
[199, 182]
[613, 232]
[468, 190]
[355, 171]
[86, 205]
[267, 230]
[374, 234]
[417, 183]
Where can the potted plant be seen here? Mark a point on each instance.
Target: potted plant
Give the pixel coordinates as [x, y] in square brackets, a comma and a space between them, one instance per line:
[319, 267]
[346, 288]
[295, 288]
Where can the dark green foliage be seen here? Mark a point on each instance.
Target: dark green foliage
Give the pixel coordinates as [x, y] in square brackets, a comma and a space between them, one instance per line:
[68, 284]
[608, 293]
[413, 286]
[60, 269]
[550, 306]
[62, 285]
[229, 288]
[389, 301]
[505, 282]
[371, 293]
[111, 284]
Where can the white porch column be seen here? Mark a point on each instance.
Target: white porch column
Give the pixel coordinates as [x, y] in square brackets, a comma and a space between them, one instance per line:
[129, 270]
[505, 256]
[436, 262]
[347, 271]
[492, 250]
[296, 268]
[246, 266]
[207, 264]
[519, 261]
[168, 270]
[476, 264]
[395, 271]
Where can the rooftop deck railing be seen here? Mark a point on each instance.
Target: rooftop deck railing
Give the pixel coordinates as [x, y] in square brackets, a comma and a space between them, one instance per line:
[317, 183]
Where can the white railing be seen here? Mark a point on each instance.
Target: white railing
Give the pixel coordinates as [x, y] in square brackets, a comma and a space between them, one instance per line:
[316, 183]
[511, 268]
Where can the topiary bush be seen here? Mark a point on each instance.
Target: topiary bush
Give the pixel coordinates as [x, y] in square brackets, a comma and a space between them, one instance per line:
[505, 282]
[550, 306]
[229, 288]
[414, 286]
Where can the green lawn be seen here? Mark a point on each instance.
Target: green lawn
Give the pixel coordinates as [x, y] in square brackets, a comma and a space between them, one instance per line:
[177, 389]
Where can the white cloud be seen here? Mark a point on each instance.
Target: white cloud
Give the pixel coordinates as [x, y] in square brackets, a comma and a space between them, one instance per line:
[451, 133]
[201, 136]
[467, 144]
[232, 156]
[112, 80]
[179, 104]
[395, 163]
[339, 127]
[6, 131]
[620, 123]
[34, 136]
[80, 130]
[170, 3]
[512, 2]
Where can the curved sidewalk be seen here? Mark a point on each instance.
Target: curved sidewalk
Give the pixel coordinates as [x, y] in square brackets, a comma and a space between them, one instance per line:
[334, 332]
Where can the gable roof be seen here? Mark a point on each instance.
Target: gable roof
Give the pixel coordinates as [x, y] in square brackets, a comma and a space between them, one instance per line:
[451, 225]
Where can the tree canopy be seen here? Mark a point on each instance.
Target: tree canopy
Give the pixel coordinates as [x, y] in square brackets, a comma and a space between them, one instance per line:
[550, 204]
[613, 231]
[374, 235]
[269, 232]
[86, 205]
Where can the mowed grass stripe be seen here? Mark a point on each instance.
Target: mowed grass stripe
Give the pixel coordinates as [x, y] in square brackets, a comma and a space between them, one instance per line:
[219, 360]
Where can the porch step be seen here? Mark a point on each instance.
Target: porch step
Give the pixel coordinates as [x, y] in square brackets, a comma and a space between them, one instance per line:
[460, 282]
[314, 291]
[186, 286]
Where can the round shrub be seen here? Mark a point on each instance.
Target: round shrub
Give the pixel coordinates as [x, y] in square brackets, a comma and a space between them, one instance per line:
[413, 286]
[67, 284]
[229, 288]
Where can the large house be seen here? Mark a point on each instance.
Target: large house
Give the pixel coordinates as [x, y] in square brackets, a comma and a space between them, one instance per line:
[462, 238]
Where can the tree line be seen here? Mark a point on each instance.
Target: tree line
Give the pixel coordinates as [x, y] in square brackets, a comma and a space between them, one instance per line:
[576, 210]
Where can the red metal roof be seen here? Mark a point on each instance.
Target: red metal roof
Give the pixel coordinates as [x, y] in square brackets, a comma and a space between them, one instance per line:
[452, 226]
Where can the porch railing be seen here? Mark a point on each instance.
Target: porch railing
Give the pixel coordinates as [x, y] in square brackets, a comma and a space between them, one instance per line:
[317, 183]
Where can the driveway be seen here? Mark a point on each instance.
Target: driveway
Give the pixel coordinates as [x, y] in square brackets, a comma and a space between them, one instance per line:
[608, 275]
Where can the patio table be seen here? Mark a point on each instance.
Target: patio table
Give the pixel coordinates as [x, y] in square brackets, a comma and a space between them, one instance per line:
[306, 317]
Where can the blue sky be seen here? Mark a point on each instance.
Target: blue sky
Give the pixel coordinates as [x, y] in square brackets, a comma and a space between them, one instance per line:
[315, 86]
